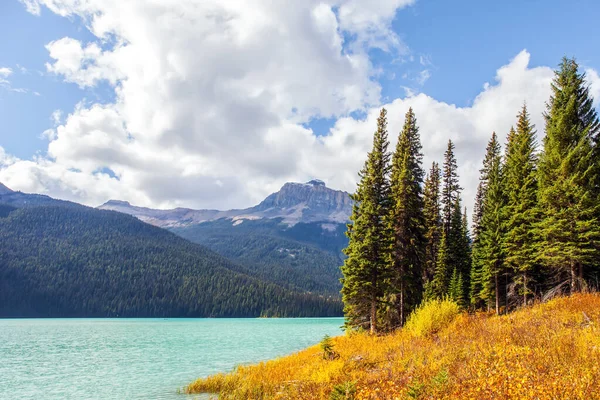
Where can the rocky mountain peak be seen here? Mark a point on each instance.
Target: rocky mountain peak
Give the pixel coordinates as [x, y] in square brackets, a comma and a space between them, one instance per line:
[312, 199]
[115, 203]
[316, 182]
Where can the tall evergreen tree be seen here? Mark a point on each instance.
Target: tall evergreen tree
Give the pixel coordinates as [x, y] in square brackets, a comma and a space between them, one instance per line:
[441, 278]
[459, 249]
[492, 153]
[569, 230]
[491, 236]
[521, 209]
[449, 253]
[366, 268]
[406, 221]
[433, 221]
[451, 189]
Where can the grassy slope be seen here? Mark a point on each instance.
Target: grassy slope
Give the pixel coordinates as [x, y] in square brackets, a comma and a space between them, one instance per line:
[549, 351]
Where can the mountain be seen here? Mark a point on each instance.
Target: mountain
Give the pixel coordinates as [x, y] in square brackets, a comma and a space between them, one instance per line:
[293, 203]
[20, 199]
[294, 237]
[4, 190]
[69, 260]
[302, 257]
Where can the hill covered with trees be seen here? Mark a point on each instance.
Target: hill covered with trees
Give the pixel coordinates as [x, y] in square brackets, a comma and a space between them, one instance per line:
[75, 261]
[304, 256]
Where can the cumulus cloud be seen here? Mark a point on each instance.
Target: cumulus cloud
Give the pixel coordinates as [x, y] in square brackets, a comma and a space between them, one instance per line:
[212, 97]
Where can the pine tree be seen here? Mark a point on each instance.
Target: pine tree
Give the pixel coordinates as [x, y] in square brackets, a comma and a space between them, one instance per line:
[441, 278]
[459, 247]
[451, 251]
[521, 209]
[433, 222]
[366, 269]
[406, 221]
[456, 288]
[465, 253]
[491, 236]
[569, 230]
[451, 189]
[492, 153]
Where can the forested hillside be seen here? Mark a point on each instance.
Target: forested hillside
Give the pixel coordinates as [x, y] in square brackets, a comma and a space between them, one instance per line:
[304, 256]
[80, 262]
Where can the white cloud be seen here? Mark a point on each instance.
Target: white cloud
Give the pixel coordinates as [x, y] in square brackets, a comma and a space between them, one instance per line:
[211, 97]
[594, 81]
[423, 77]
[56, 117]
[5, 72]
[32, 6]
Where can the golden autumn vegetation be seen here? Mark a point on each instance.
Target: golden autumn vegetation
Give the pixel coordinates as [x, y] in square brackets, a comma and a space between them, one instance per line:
[548, 351]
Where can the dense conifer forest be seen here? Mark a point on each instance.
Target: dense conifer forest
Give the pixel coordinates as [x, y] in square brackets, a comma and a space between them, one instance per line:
[304, 256]
[74, 261]
[535, 229]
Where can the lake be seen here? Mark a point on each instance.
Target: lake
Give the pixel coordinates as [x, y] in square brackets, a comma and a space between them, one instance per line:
[139, 358]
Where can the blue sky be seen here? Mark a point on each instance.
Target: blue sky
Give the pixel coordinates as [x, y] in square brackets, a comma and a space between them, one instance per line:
[446, 50]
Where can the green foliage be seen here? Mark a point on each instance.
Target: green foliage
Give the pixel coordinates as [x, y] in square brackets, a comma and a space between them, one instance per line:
[451, 189]
[344, 391]
[366, 269]
[406, 224]
[521, 208]
[568, 180]
[433, 222]
[432, 316]
[327, 346]
[415, 390]
[303, 257]
[456, 288]
[454, 251]
[75, 261]
[488, 265]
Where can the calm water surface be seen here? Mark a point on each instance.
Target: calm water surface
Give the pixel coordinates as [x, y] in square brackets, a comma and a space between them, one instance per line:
[138, 358]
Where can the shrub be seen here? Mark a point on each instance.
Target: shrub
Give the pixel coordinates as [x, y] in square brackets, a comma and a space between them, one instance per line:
[344, 391]
[327, 347]
[432, 316]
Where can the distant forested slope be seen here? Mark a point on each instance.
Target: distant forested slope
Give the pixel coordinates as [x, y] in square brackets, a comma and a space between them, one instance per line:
[305, 256]
[80, 262]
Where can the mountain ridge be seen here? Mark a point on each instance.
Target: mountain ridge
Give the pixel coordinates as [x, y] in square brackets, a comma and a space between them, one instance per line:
[295, 202]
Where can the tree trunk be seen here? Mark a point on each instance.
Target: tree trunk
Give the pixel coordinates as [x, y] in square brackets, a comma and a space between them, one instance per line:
[402, 302]
[573, 277]
[373, 317]
[497, 294]
[524, 289]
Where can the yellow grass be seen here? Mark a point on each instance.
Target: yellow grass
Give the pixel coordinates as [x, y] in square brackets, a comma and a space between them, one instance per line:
[549, 351]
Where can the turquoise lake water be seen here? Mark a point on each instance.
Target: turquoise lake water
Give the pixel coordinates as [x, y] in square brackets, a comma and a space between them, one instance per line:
[138, 358]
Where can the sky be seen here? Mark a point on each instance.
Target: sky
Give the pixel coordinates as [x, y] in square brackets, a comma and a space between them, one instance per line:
[216, 104]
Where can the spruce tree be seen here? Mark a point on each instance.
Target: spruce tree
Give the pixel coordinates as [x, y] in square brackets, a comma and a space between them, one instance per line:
[441, 277]
[450, 253]
[491, 236]
[492, 153]
[451, 189]
[406, 221]
[569, 230]
[433, 222]
[366, 268]
[521, 209]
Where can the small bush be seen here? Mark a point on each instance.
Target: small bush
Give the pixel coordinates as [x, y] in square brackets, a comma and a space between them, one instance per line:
[344, 391]
[432, 316]
[327, 346]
